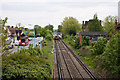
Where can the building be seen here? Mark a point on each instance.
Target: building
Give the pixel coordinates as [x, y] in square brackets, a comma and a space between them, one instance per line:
[93, 35]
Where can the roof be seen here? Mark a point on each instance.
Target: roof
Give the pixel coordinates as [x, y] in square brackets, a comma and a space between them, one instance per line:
[12, 30]
[93, 33]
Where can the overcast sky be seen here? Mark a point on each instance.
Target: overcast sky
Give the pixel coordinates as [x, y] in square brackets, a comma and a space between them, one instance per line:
[44, 12]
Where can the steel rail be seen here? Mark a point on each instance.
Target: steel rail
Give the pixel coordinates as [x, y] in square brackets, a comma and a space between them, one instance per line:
[80, 62]
[72, 60]
[58, 63]
[67, 66]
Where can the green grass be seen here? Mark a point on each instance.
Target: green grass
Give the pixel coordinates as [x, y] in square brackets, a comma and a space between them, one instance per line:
[46, 53]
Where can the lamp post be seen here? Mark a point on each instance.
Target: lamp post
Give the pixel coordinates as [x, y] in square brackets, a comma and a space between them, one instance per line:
[34, 37]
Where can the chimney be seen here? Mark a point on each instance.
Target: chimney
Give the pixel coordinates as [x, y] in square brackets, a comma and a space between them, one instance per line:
[115, 25]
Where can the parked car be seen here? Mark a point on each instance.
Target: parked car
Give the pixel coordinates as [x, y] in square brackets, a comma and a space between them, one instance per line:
[17, 43]
[30, 39]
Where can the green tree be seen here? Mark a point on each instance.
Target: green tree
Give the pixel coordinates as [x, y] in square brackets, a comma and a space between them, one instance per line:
[110, 59]
[49, 27]
[109, 25]
[43, 32]
[70, 26]
[59, 28]
[3, 36]
[95, 24]
[37, 29]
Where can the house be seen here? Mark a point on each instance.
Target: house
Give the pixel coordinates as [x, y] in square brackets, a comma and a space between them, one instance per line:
[11, 32]
[93, 35]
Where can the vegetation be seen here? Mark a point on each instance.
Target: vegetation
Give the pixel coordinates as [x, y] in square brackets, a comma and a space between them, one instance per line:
[70, 26]
[37, 29]
[99, 47]
[3, 34]
[85, 41]
[49, 27]
[110, 25]
[110, 59]
[23, 66]
[59, 28]
[95, 24]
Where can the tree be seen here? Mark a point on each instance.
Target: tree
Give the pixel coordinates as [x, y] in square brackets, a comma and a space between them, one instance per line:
[59, 28]
[109, 25]
[3, 36]
[37, 29]
[95, 24]
[43, 32]
[70, 26]
[110, 59]
[49, 27]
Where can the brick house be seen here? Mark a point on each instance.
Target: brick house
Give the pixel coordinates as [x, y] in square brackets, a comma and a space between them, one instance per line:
[93, 35]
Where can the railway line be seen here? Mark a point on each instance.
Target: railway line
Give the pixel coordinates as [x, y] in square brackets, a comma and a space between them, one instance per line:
[69, 66]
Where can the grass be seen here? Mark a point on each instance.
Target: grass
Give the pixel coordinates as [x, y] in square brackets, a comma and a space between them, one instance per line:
[46, 53]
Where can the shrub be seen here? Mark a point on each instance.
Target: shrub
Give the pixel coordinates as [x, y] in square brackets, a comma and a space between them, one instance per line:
[23, 66]
[49, 37]
[99, 47]
[85, 41]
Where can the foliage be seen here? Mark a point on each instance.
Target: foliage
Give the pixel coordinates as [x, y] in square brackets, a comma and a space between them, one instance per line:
[59, 28]
[99, 47]
[70, 26]
[73, 41]
[44, 43]
[49, 27]
[95, 24]
[23, 66]
[3, 34]
[31, 34]
[111, 55]
[43, 32]
[77, 43]
[49, 37]
[85, 41]
[37, 29]
[109, 25]
[31, 50]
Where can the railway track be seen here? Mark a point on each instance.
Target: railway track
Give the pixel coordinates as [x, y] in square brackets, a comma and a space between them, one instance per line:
[69, 65]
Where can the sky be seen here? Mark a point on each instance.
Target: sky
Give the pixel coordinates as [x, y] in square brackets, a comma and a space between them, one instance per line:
[44, 12]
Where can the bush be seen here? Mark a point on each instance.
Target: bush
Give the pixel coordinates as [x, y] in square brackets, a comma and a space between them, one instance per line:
[31, 34]
[23, 66]
[77, 43]
[85, 41]
[99, 47]
[110, 59]
[49, 37]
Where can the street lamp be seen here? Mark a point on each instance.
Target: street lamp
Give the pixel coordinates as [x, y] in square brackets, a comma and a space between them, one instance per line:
[34, 37]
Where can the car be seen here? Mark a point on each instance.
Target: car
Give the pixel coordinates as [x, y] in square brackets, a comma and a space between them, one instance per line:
[30, 39]
[17, 43]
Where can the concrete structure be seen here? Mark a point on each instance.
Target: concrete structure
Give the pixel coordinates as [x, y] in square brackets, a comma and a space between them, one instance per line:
[119, 11]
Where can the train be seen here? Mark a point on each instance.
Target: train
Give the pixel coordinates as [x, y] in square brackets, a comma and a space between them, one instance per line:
[57, 37]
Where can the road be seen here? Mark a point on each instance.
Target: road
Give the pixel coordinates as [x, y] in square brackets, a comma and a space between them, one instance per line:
[15, 49]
